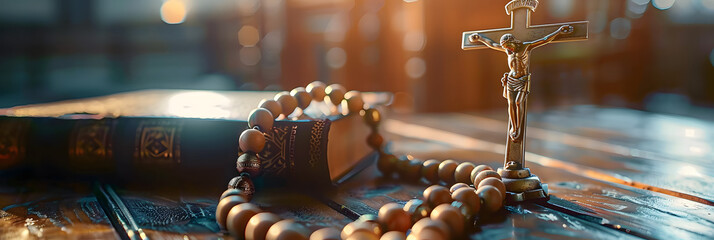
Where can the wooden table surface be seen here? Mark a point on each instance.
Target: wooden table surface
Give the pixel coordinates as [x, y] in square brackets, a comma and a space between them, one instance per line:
[612, 173]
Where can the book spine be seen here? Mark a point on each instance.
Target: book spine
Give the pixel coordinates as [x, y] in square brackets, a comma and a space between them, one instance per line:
[160, 151]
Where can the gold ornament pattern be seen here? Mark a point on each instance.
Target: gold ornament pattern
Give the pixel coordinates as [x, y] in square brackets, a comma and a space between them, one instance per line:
[158, 143]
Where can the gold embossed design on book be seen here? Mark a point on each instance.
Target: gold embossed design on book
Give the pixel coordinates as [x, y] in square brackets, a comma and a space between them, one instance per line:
[12, 142]
[158, 143]
[273, 157]
[315, 136]
[91, 146]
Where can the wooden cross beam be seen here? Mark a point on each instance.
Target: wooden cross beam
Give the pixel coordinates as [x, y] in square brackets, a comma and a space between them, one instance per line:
[522, 30]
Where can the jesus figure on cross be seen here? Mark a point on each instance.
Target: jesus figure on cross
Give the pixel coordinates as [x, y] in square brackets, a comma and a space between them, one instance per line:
[516, 83]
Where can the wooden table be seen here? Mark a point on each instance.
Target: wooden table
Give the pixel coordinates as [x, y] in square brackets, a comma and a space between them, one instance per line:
[612, 173]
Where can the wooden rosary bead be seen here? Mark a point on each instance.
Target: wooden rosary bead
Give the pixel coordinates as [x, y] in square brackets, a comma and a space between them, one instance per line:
[402, 165]
[491, 197]
[375, 140]
[360, 226]
[451, 216]
[368, 218]
[372, 117]
[336, 92]
[244, 184]
[469, 197]
[393, 235]
[230, 192]
[387, 163]
[479, 169]
[430, 170]
[462, 174]
[353, 103]
[316, 90]
[446, 171]
[394, 218]
[417, 209]
[326, 234]
[433, 225]
[302, 97]
[258, 225]
[467, 212]
[251, 140]
[272, 106]
[238, 218]
[287, 103]
[427, 234]
[287, 230]
[412, 173]
[483, 175]
[436, 195]
[363, 236]
[457, 186]
[495, 182]
[224, 206]
[262, 118]
[248, 163]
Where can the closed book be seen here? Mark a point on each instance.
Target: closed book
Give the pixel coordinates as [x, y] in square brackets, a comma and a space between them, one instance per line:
[184, 138]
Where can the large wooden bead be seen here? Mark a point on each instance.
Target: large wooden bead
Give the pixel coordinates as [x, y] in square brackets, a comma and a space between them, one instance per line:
[287, 103]
[451, 216]
[224, 206]
[393, 235]
[238, 218]
[326, 234]
[262, 118]
[287, 230]
[431, 224]
[495, 182]
[251, 140]
[368, 218]
[412, 172]
[248, 163]
[436, 195]
[336, 92]
[360, 226]
[455, 187]
[372, 117]
[272, 106]
[303, 97]
[244, 184]
[462, 174]
[430, 170]
[387, 163]
[316, 90]
[353, 103]
[417, 209]
[427, 234]
[394, 218]
[468, 196]
[258, 225]
[363, 236]
[230, 192]
[375, 140]
[467, 212]
[491, 197]
[479, 169]
[483, 175]
[446, 171]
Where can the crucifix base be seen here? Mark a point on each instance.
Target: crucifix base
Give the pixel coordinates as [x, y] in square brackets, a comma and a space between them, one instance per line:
[522, 186]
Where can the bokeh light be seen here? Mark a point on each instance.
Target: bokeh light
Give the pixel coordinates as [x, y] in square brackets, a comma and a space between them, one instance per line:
[663, 4]
[248, 36]
[708, 4]
[250, 56]
[173, 11]
[415, 67]
[620, 28]
[336, 57]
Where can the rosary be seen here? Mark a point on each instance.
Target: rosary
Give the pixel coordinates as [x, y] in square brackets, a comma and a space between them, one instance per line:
[443, 213]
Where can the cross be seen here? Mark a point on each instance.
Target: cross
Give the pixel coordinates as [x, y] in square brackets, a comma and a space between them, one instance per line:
[517, 42]
[521, 28]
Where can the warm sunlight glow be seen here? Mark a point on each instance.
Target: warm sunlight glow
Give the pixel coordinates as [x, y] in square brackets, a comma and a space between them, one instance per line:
[199, 104]
[173, 11]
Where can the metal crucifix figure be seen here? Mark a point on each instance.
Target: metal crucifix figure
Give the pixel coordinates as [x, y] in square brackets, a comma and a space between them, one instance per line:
[517, 42]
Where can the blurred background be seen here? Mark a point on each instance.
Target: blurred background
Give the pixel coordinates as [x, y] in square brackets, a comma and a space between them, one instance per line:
[653, 55]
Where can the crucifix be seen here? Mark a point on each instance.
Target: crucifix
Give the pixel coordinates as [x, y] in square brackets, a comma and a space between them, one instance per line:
[517, 42]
